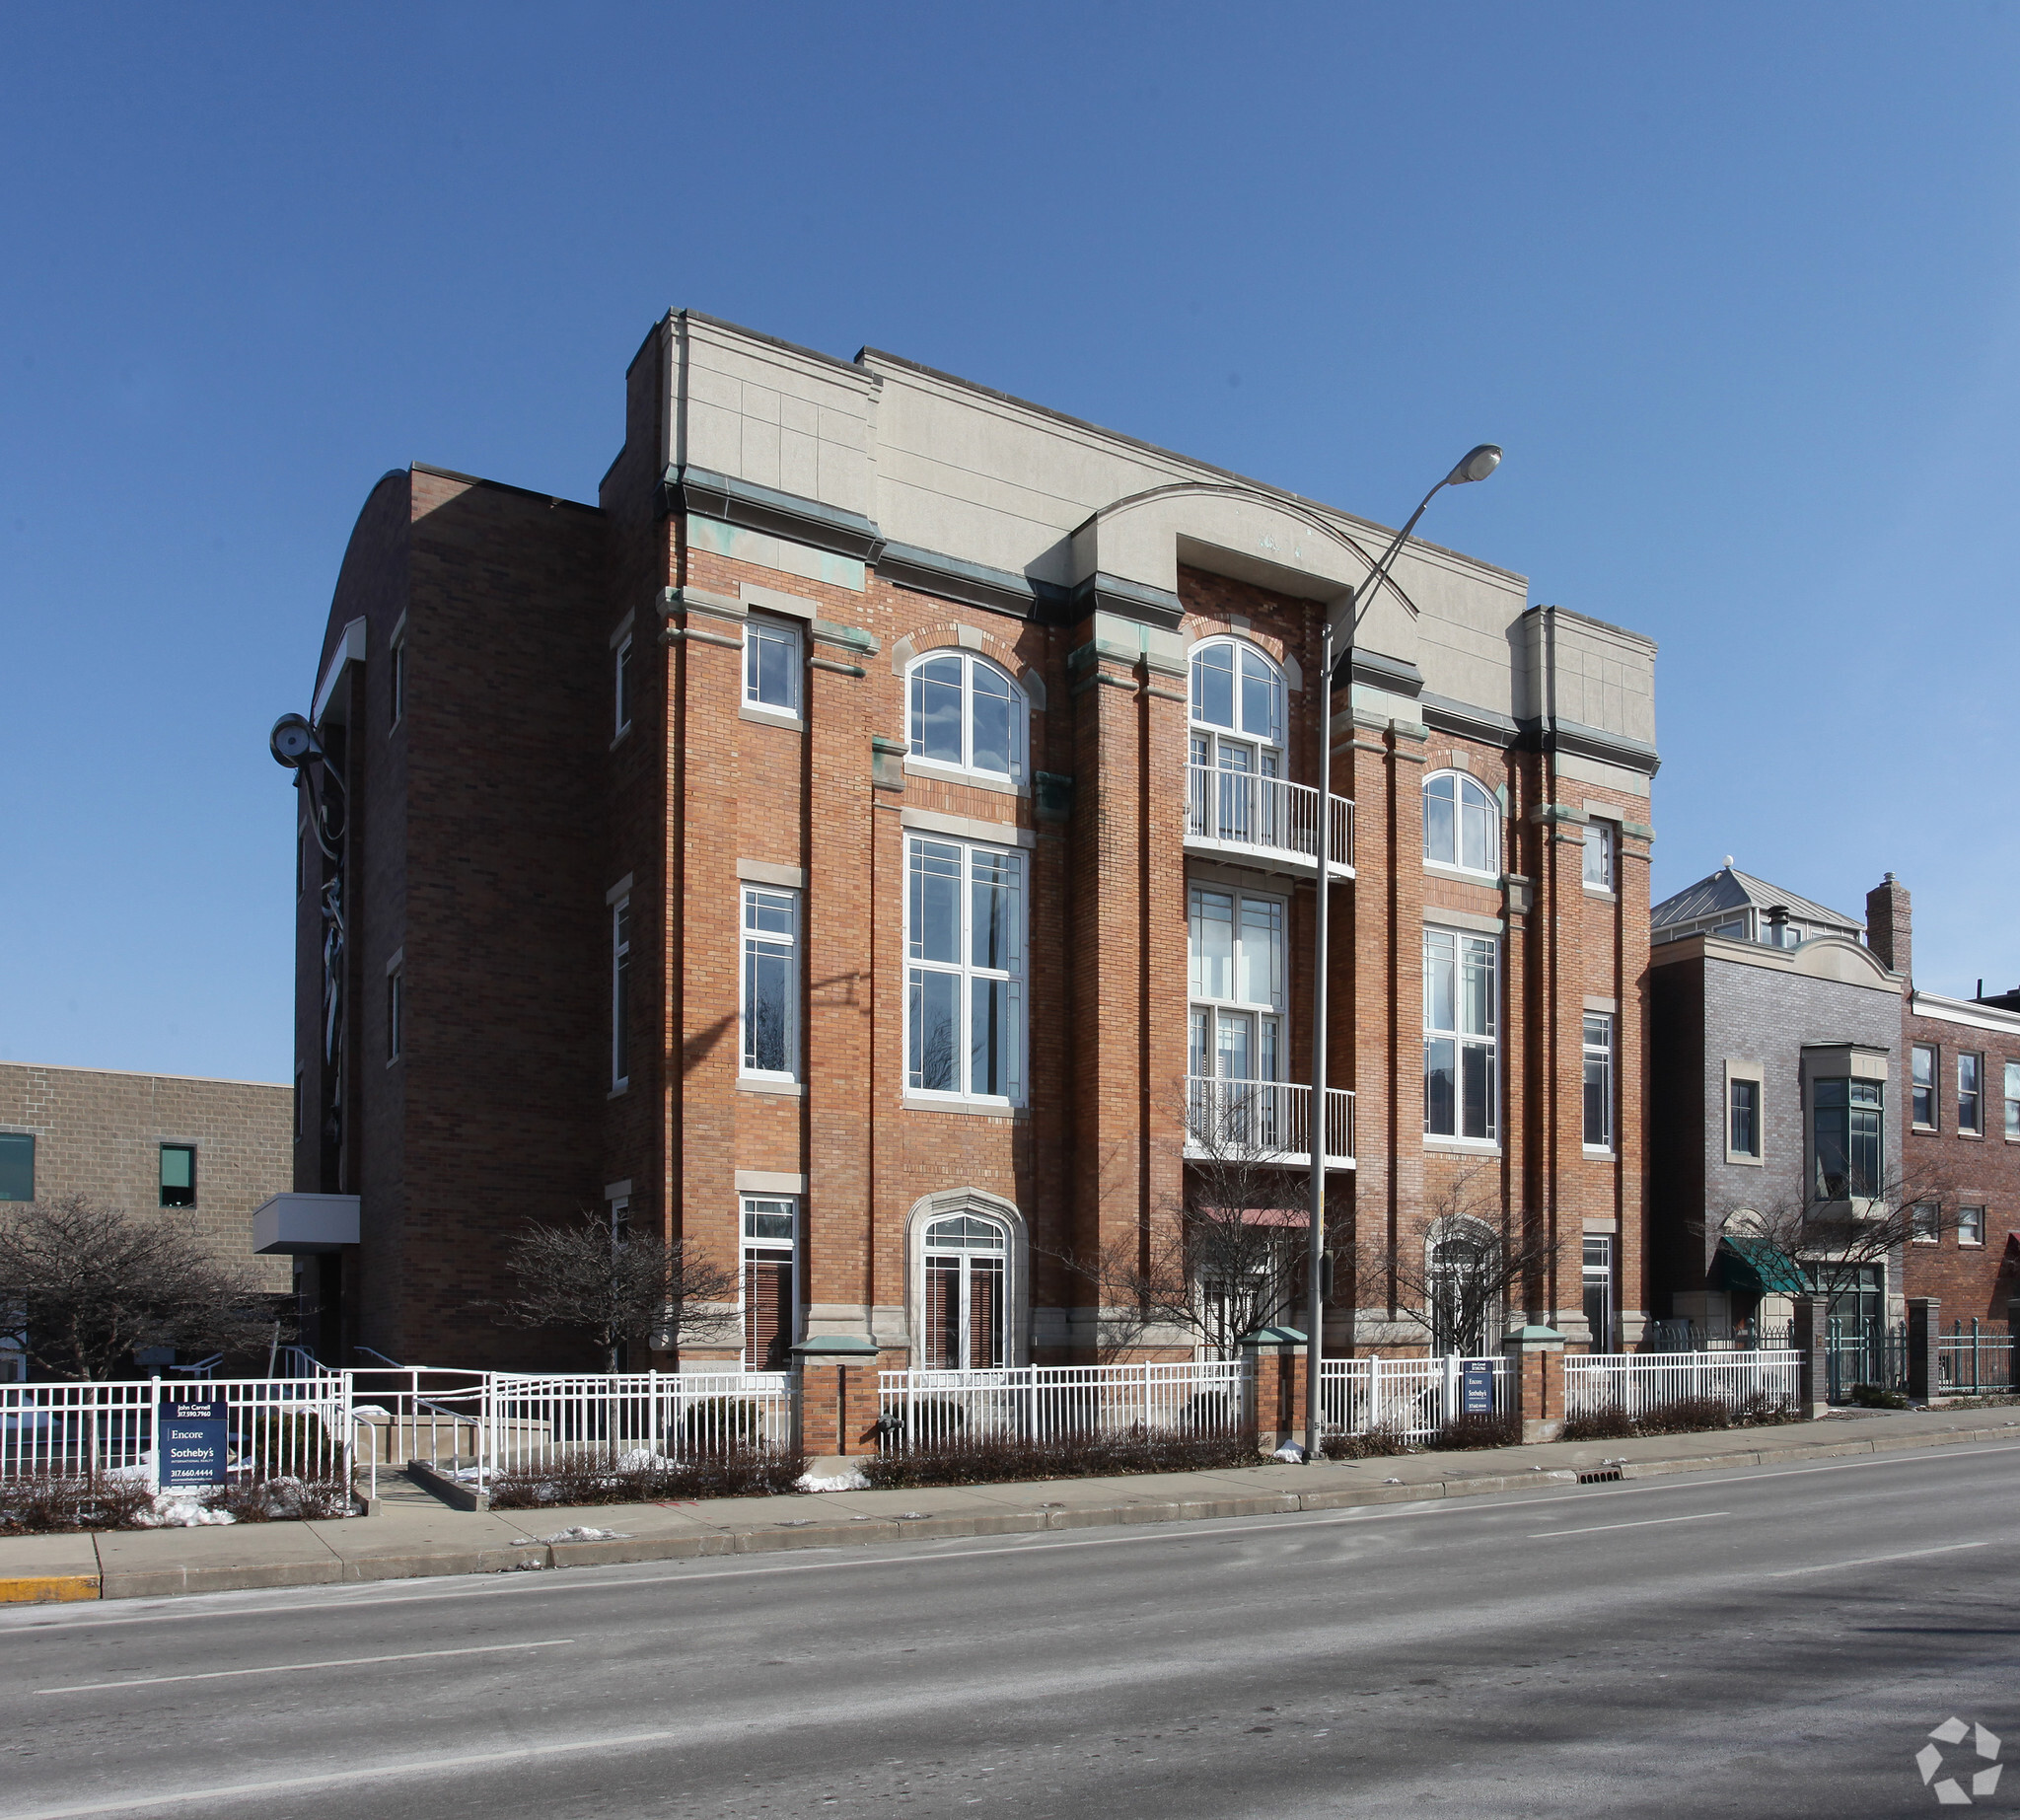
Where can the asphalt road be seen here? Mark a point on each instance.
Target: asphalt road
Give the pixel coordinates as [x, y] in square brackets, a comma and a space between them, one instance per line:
[1773, 1640]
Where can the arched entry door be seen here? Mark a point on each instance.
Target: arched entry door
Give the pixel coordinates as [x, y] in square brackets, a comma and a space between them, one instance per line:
[965, 1256]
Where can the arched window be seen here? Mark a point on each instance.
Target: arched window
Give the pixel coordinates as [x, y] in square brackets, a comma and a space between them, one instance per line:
[1237, 744]
[1462, 824]
[967, 714]
[1464, 1260]
[966, 1255]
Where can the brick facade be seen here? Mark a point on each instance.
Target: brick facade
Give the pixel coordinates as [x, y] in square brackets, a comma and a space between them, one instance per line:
[496, 826]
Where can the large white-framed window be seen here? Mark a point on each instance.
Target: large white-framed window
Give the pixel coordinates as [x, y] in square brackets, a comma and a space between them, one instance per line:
[770, 1289]
[771, 666]
[965, 1290]
[1599, 855]
[1599, 1081]
[1597, 1273]
[964, 932]
[770, 1008]
[1236, 741]
[1970, 1094]
[1922, 1085]
[964, 713]
[1235, 943]
[620, 993]
[1462, 824]
[2013, 1102]
[620, 688]
[1462, 1035]
[1971, 1226]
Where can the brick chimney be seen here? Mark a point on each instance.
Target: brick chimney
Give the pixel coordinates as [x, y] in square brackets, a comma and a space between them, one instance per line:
[1887, 924]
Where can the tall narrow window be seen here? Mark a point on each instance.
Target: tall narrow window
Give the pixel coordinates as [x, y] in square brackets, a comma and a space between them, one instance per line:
[1235, 788]
[772, 983]
[178, 1175]
[395, 1012]
[298, 1111]
[1599, 855]
[770, 1293]
[1923, 1085]
[397, 685]
[1598, 1275]
[967, 714]
[2013, 1100]
[771, 666]
[1462, 1024]
[1599, 1081]
[964, 981]
[1462, 824]
[1745, 1117]
[1236, 1042]
[620, 993]
[1970, 1093]
[17, 1166]
[965, 1286]
[621, 688]
[1845, 1139]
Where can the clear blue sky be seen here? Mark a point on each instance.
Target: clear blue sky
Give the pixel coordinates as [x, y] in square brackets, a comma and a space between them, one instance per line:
[1738, 287]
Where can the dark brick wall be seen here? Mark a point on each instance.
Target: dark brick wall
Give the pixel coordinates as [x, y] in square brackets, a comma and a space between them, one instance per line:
[1971, 1281]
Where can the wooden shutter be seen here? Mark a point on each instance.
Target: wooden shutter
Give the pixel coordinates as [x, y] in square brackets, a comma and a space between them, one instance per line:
[943, 1314]
[767, 1313]
[985, 1312]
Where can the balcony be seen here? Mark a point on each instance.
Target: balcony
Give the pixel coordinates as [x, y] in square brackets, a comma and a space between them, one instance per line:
[1263, 1122]
[1264, 822]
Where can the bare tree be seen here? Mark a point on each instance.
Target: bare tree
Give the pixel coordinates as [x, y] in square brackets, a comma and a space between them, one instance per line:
[84, 1284]
[616, 1284]
[1227, 1253]
[1461, 1263]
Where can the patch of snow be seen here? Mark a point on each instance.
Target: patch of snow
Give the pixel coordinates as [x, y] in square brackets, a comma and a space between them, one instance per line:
[1291, 1452]
[179, 1513]
[583, 1533]
[842, 1482]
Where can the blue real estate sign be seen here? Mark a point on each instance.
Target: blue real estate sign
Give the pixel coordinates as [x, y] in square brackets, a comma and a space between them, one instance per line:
[1477, 1389]
[190, 1437]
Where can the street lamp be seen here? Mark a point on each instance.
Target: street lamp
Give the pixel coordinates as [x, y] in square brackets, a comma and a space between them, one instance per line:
[1475, 465]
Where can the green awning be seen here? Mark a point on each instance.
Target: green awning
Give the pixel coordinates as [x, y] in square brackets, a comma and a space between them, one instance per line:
[1757, 1267]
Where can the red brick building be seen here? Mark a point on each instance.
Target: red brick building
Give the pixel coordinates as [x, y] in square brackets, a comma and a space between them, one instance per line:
[842, 844]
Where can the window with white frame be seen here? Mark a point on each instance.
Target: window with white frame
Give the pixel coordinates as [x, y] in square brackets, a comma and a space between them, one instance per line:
[1924, 1222]
[1236, 743]
[1599, 855]
[772, 1304]
[1235, 961]
[771, 666]
[1971, 1225]
[966, 1282]
[965, 969]
[1922, 1088]
[620, 686]
[1462, 824]
[1599, 1081]
[1970, 1094]
[620, 993]
[772, 983]
[967, 714]
[1598, 1283]
[2013, 1100]
[1462, 1035]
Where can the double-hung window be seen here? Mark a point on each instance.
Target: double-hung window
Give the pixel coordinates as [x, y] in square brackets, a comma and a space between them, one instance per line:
[1236, 1042]
[620, 993]
[771, 1298]
[772, 667]
[2013, 1100]
[1745, 1113]
[178, 1175]
[1599, 1081]
[1970, 1094]
[1462, 1035]
[772, 983]
[965, 969]
[968, 715]
[1971, 1225]
[1924, 1222]
[1599, 855]
[1846, 1139]
[1923, 1085]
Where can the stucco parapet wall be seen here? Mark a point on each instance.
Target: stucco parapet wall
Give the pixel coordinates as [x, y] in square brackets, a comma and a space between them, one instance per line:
[1822, 957]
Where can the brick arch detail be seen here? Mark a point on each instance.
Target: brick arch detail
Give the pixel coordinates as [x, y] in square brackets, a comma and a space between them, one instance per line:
[1275, 649]
[948, 635]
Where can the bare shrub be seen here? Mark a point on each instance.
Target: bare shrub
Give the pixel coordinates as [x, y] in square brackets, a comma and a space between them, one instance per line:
[1679, 1415]
[756, 1473]
[47, 1504]
[992, 1461]
[1480, 1429]
[1373, 1444]
[283, 1501]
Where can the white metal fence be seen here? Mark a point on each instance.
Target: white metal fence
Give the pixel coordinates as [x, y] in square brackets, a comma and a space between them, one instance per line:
[1045, 1403]
[1638, 1382]
[532, 1423]
[275, 1427]
[1410, 1397]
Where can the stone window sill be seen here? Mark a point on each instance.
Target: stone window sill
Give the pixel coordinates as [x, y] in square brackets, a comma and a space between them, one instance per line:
[987, 1109]
[784, 1089]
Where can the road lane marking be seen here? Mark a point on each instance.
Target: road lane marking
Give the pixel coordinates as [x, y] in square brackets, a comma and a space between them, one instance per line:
[1543, 1535]
[1872, 1561]
[296, 1668]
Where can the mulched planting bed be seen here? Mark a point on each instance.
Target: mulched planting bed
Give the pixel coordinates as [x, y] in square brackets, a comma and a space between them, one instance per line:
[594, 1482]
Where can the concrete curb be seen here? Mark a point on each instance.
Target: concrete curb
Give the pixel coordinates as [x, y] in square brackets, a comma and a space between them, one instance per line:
[48, 1588]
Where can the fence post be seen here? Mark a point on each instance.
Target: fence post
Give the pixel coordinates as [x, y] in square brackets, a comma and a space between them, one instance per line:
[1809, 1333]
[1536, 1401]
[1924, 1348]
[837, 1401]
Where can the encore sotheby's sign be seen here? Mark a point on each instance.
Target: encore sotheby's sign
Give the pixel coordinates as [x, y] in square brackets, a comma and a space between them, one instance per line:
[190, 1437]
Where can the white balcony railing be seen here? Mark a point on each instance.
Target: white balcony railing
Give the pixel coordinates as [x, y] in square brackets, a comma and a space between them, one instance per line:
[1265, 1121]
[1242, 812]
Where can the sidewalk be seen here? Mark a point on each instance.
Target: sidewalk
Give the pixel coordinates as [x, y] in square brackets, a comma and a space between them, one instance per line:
[411, 1534]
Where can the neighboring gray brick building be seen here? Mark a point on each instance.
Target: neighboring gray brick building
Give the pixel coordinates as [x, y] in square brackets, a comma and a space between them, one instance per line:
[208, 1151]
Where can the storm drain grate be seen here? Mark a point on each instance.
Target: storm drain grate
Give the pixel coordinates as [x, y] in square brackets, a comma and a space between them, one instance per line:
[1599, 1475]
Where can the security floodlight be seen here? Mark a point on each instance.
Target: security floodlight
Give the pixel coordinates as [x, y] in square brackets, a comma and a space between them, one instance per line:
[1475, 465]
[292, 741]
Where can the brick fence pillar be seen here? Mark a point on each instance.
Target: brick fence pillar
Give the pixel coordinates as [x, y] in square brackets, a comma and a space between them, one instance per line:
[1536, 1380]
[1925, 1360]
[1275, 1358]
[1810, 1335]
[835, 1404]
